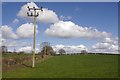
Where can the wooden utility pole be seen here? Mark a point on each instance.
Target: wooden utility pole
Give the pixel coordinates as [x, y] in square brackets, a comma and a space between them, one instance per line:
[35, 15]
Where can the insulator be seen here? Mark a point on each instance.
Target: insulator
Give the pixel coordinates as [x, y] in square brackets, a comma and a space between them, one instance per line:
[37, 14]
[28, 7]
[31, 13]
[28, 13]
[41, 8]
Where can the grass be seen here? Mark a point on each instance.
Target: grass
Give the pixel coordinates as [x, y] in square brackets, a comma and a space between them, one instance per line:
[70, 66]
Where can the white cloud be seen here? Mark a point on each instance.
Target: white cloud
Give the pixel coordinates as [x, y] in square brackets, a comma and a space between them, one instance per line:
[68, 29]
[26, 30]
[101, 46]
[7, 32]
[70, 48]
[115, 41]
[15, 43]
[114, 47]
[111, 40]
[81, 46]
[23, 11]
[108, 40]
[27, 49]
[15, 20]
[109, 45]
[47, 16]
[65, 17]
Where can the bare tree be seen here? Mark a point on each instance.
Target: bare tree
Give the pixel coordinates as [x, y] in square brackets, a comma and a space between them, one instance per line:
[43, 47]
[83, 52]
[46, 49]
[62, 51]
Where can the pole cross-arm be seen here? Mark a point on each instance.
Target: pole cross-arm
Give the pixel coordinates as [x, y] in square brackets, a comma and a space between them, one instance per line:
[35, 9]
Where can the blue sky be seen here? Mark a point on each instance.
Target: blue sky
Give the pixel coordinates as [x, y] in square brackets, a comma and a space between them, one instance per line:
[101, 16]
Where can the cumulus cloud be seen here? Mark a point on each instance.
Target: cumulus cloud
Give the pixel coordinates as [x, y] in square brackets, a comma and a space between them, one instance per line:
[109, 45]
[23, 11]
[114, 47]
[47, 16]
[69, 48]
[15, 20]
[111, 40]
[107, 40]
[67, 29]
[27, 49]
[26, 30]
[15, 43]
[101, 46]
[7, 32]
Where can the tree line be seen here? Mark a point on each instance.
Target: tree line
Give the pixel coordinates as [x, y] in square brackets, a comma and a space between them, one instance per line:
[45, 49]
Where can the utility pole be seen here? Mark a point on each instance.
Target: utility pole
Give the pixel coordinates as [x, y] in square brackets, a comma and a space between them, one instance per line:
[35, 15]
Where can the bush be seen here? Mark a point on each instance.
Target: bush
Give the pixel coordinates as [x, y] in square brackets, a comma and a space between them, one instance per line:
[18, 60]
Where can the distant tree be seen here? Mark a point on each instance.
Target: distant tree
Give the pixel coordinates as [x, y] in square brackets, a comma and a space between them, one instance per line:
[20, 53]
[83, 52]
[43, 44]
[46, 49]
[14, 50]
[42, 47]
[62, 51]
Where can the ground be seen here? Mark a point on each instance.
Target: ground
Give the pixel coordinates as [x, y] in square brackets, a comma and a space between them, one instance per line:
[69, 66]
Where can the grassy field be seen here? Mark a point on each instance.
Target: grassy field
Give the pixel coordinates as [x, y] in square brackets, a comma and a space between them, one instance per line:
[70, 66]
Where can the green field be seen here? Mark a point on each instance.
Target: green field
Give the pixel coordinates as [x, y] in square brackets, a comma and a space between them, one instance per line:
[70, 66]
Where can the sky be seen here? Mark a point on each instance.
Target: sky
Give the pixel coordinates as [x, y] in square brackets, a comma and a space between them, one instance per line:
[73, 26]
